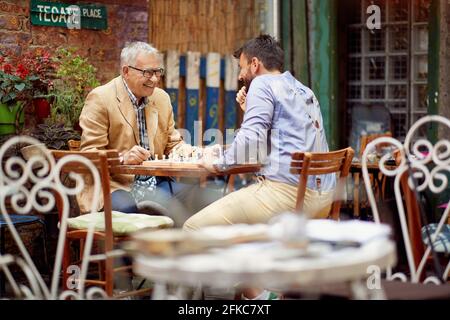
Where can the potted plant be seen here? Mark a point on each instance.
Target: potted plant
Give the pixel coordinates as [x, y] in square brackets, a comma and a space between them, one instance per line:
[23, 78]
[75, 78]
[41, 64]
[55, 136]
[15, 92]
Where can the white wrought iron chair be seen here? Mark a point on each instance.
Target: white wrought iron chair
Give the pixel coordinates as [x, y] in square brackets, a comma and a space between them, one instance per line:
[431, 168]
[29, 186]
[35, 185]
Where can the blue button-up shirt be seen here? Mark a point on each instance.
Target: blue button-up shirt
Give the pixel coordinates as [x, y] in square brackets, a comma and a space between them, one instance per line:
[279, 120]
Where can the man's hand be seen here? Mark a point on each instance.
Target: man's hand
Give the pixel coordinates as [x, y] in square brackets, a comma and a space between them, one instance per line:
[135, 155]
[182, 149]
[210, 154]
[241, 98]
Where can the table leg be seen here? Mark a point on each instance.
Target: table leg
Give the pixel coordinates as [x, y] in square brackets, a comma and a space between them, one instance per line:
[198, 292]
[159, 291]
[356, 195]
[227, 179]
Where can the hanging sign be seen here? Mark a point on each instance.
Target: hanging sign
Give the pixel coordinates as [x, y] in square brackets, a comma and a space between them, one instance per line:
[80, 16]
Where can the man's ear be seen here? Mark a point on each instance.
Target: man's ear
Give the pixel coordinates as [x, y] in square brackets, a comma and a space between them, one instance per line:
[255, 64]
[125, 71]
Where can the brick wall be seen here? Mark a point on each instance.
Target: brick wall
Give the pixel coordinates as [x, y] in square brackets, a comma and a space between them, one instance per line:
[127, 20]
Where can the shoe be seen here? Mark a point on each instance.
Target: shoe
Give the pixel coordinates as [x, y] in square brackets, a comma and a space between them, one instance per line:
[265, 295]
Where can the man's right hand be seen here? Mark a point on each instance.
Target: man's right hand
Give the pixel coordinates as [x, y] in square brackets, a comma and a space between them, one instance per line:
[241, 98]
[135, 155]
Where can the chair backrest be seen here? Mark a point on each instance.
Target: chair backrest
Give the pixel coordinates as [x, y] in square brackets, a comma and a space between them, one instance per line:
[103, 160]
[317, 163]
[74, 145]
[368, 138]
[428, 170]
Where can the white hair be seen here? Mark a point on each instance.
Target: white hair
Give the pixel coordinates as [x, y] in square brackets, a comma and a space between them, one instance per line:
[131, 50]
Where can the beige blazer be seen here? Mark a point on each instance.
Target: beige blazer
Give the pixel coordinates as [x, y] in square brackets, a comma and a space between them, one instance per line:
[109, 121]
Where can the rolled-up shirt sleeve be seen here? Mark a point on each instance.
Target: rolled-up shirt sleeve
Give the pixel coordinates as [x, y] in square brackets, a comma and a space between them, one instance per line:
[251, 142]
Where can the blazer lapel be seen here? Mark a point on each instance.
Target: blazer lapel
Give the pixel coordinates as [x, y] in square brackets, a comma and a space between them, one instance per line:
[126, 108]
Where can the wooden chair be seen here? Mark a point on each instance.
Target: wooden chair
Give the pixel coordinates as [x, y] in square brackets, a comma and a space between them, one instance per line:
[368, 138]
[413, 215]
[74, 145]
[307, 163]
[357, 192]
[104, 161]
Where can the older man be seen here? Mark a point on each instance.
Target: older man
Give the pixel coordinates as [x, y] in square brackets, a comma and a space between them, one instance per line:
[130, 114]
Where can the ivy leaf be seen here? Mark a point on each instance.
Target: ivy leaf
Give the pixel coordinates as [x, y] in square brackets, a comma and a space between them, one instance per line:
[20, 86]
[5, 84]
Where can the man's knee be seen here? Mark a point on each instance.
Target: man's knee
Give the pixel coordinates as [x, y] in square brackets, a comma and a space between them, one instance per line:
[192, 224]
[123, 201]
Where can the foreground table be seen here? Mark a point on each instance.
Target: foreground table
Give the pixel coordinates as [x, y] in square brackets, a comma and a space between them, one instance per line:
[272, 265]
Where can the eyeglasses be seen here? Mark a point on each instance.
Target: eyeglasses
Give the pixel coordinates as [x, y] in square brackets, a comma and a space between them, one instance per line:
[148, 73]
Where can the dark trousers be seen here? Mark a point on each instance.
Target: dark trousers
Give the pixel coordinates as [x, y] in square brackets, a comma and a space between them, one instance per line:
[181, 199]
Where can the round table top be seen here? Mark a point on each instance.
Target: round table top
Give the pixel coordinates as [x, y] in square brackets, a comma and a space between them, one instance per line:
[269, 264]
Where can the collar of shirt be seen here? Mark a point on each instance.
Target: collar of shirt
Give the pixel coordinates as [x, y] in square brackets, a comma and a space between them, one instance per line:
[134, 100]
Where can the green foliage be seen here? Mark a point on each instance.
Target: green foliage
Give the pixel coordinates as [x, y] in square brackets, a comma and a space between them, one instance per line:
[13, 88]
[24, 76]
[55, 136]
[76, 77]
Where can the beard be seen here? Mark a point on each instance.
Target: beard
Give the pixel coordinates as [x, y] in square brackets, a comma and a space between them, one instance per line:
[247, 81]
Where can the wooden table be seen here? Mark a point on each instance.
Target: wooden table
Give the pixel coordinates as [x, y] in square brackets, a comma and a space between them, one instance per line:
[185, 170]
[374, 171]
[180, 170]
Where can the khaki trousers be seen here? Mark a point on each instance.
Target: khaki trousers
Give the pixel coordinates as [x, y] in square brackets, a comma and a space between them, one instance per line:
[258, 203]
